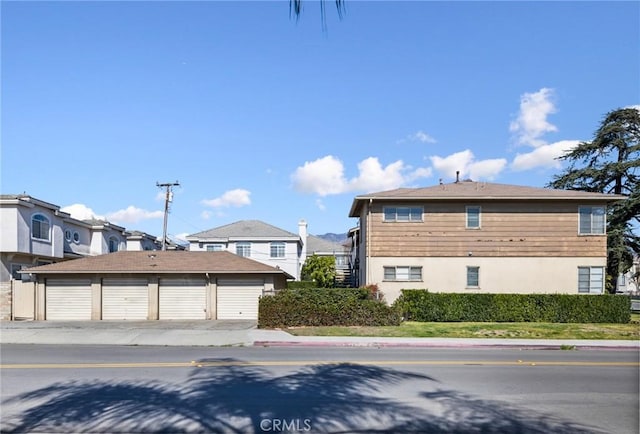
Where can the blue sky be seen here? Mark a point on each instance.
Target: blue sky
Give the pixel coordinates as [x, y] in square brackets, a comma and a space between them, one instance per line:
[260, 116]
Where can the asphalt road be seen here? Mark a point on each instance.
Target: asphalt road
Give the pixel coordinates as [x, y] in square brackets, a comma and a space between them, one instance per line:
[68, 389]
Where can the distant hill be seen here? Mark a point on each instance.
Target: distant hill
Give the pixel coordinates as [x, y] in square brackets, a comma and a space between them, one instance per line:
[336, 238]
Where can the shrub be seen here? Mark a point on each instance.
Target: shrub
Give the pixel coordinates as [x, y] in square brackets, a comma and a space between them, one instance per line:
[421, 305]
[300, 284]
[324, 307]
[321, 270]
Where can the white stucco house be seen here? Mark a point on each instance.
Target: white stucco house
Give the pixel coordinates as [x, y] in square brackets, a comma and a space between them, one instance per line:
[268, 244]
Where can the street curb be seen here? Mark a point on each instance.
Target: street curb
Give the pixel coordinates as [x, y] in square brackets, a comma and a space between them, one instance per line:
[442, 345]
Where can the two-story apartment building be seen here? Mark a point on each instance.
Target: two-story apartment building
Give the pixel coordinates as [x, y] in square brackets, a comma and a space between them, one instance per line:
[481, 237]
[268, 244]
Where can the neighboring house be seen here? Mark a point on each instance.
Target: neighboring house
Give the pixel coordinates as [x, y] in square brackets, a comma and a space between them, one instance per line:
[629, 282]
[321, 247]
[152, 285]
[35, 232]
[481, 237]
[267, 244]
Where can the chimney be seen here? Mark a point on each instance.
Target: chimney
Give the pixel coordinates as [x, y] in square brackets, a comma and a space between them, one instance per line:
[302, 232]
[457, 176]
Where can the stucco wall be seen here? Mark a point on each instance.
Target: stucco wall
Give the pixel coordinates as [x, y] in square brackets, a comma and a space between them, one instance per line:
[504, 275]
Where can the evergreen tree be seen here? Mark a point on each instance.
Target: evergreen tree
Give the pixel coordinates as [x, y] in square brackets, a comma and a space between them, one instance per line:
[610, 163]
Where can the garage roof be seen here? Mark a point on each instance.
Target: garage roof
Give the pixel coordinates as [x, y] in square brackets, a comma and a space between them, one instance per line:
[159, 262]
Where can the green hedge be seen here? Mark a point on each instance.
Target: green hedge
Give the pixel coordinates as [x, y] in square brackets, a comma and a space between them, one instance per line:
[301, 284]
[324, 307]
[421, 305]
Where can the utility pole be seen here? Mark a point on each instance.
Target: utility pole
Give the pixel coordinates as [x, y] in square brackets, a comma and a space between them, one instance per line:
[167, 199]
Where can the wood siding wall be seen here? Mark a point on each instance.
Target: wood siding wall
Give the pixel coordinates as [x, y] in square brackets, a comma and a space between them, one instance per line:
[508, 229]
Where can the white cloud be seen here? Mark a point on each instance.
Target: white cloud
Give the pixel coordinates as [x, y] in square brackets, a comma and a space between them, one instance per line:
[466, 164]
[321, 206]
[487, 169]
[372, 176]
[448, 166]
[421, 172]
[531, 122]
[232, 198]
[79, 211]
[133, 214]
[423, 137]
[323, 176]
[544, 156]
[205, 215]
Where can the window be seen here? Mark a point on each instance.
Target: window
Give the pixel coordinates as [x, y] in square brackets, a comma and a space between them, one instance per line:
[243, 249]
[473, 217]
[40, 227]
[277, 250]
[342, 260]
[402, 214]
[403, 273]
[67, 235]
[214, 247]
[590, 280]
[76, 237]
[113, 244]
[592, 220]
[473, 277]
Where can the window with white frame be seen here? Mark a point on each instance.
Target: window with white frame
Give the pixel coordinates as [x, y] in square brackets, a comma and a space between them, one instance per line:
[473, 217]
[114, 244]
[40, 227]
[76, 237]
[402, 214]
[214, 247]
[277, 249]
[473, 277]
[591, 280]
[592, 220]
[243, 249]
[67, 235]
[403, 273]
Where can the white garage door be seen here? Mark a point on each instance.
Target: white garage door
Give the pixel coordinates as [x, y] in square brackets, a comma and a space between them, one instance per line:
[239, 299]
[125, 299]
[182, 299]
[68, 299]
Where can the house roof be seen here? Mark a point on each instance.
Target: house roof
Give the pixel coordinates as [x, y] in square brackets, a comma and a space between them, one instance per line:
[479, 191]
[158, 262]
[320, 245]
[244, 229]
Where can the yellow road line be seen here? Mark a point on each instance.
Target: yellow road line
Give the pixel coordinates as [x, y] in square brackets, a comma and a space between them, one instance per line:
[201, 364]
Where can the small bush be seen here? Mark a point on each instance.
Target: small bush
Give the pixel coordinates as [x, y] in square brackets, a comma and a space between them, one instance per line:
[324, 307]
[421, 305]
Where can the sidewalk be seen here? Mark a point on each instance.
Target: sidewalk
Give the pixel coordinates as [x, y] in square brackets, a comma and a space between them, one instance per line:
[245, 333]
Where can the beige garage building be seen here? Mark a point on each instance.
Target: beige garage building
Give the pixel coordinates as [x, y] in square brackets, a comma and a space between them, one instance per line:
[154, 285]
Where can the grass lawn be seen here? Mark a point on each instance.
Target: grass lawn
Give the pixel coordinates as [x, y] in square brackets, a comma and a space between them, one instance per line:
[528, 330]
